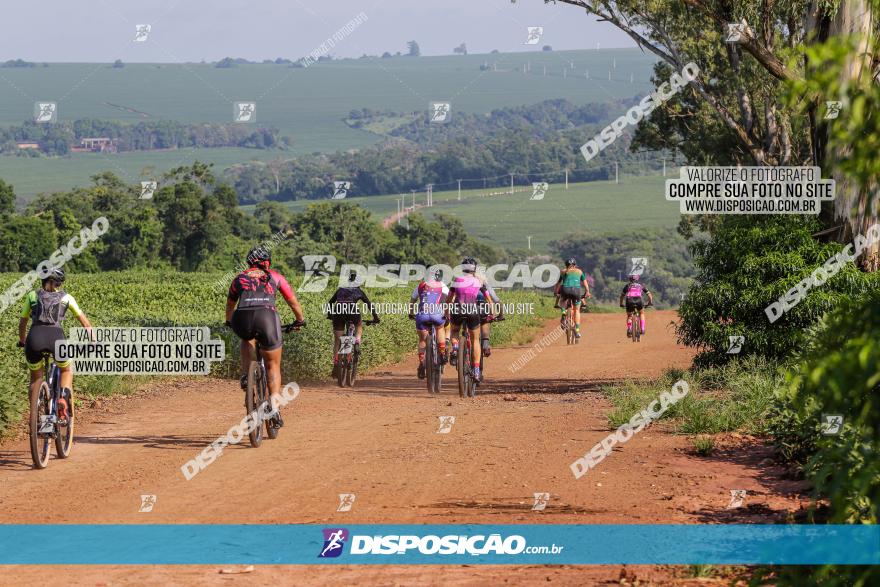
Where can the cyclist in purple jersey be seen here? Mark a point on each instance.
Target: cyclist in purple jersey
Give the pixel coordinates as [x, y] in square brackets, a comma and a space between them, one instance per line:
[426, 308]
[632, 296]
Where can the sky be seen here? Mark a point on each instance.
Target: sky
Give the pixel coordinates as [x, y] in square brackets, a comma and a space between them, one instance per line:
[193, 30]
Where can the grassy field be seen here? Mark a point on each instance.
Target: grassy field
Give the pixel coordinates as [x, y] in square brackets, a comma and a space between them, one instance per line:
[31, 176]
[508, 219]
[309, 105]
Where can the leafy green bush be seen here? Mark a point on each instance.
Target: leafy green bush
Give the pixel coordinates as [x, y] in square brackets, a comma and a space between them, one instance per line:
[750, 263]
[735, 396]
[840, 374]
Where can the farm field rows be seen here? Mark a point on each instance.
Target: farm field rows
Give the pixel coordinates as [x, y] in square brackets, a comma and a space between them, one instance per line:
[508, 219]
[307, 104]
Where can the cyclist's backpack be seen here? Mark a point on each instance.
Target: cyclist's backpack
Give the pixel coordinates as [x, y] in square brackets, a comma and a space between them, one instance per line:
[49, 309]
[634, 290]
[257, 289]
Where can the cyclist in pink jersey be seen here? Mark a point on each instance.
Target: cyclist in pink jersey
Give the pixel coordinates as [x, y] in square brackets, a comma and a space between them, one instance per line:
[466, 309]
[632, 294]
[251, 313]
[426, 308]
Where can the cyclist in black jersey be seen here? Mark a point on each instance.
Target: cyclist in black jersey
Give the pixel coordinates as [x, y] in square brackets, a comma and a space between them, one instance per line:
[345, 306]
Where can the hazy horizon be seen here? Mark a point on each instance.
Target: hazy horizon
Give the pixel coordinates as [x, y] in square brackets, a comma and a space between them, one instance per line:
[96, 31]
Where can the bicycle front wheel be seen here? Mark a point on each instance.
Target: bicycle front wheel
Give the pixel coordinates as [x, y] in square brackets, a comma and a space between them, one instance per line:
[40, 412]
[64, 434]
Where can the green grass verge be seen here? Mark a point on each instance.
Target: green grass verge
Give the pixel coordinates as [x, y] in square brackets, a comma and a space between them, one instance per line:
[735, 397]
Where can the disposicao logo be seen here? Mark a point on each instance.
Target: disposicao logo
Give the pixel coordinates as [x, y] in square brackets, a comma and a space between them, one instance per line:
[334, 541]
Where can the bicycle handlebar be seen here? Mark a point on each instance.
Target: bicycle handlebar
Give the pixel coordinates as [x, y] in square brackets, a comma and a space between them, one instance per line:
[295, 325]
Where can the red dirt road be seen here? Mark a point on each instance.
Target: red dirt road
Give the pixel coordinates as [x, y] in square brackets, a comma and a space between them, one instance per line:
[380, 442]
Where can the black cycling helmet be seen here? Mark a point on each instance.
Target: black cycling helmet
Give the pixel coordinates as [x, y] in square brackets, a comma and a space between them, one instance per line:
[437, 274]
[56, 274]
[468, 265]
[259, 257]
[570, 262]
[634, 277]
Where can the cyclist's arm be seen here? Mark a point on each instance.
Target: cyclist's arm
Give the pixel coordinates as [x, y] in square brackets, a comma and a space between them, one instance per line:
[290, 298]
[231, 299]
[650, 297]
[25, 316]
[492, 298]
[413, 299]
[369, 305]
[586, 285]
[80, 315]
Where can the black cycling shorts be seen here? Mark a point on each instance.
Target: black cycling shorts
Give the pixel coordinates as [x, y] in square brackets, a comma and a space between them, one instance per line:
[634, 304]
[260, 323]
[472, 320]
[571, 293]
[339, 321]
[41, 339]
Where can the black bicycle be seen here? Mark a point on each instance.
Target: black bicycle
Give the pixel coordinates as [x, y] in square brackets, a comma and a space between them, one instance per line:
[45, 424]
[256, 398]
[349, 354]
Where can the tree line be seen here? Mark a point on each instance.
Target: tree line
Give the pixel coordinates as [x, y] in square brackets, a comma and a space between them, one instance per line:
[58, 138]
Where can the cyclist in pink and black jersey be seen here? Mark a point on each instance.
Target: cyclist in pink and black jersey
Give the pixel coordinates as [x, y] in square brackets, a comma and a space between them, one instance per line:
[251, 313]
[466, 309]
[632, 294]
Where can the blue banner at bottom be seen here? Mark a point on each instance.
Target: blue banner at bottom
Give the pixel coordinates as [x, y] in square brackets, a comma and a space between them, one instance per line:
[568, 544]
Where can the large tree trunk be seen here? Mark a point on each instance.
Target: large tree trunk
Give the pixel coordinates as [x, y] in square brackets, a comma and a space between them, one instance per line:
[855, 207]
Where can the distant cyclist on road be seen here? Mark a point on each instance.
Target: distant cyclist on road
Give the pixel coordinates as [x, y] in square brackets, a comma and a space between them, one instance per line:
[426, 308]
[465, 310]
[255, 317]
[632, 294]
[47, 308]
[345, 306]
[572, 287]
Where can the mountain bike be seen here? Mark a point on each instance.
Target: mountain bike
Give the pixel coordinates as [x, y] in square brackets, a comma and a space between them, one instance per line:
[568, 324]
[433, 362]
[636, 327]
[467, 382]
[256, 396]
[44, 423]
[349, 354]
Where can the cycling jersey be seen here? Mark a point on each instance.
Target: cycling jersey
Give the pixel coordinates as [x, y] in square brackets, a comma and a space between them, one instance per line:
[466, 288]
[255, 289]
[572, 277]
[345, 306]
[48, 308]
[429, 295]
[635, 290]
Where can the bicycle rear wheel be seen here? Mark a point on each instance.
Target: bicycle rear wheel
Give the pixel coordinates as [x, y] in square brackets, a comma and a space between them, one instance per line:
[64, 434]
[353, 366]
[40, 442]
[636, 328]
[271, 430]
[430, 359]
[253, 403]
[463, 364]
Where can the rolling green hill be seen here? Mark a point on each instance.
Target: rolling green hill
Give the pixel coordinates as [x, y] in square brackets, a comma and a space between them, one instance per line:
[308, 104]
[507, 220]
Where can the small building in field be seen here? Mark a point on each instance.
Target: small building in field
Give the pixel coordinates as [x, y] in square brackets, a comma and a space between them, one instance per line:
[97, 145]
[27, 144]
